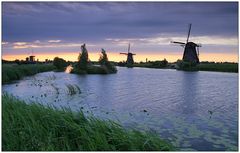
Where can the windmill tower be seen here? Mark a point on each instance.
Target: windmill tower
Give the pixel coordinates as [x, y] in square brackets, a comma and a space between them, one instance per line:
[191, 49]
[130, 60]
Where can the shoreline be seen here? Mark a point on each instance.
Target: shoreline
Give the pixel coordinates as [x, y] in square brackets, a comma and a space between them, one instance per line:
[208, 67]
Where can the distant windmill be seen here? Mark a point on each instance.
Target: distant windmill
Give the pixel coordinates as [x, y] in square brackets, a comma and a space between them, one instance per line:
[191, 49]
[129, 57]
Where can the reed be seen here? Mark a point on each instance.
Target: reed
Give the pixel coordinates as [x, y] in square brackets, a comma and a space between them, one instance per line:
[73, 89]
[37, 128]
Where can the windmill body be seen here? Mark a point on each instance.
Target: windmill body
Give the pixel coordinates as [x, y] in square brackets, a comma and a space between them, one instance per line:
[190, 52]
[191, 49]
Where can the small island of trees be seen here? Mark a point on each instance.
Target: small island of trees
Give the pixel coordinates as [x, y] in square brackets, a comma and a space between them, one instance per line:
[84, 66]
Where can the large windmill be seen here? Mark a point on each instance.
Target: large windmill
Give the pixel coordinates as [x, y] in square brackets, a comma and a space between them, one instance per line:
[129, 57]
[191, 49]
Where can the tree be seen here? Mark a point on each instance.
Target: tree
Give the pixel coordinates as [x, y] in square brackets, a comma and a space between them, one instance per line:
[103, 60]
[59, 63]
[83, 58]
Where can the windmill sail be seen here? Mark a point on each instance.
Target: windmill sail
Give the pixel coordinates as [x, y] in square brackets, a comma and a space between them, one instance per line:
[189, 30]
[128, 47]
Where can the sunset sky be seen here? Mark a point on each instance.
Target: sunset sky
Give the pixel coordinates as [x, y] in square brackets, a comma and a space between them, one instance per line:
[50, 29]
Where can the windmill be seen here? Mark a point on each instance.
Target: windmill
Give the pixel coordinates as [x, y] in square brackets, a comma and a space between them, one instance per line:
[129, 57]
[191, 49]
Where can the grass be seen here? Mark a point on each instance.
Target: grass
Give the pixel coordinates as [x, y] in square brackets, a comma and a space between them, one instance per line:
[11, 72]
[92, 69]
[207, 66]
[37, 128]
[220, 67]
[153, 64]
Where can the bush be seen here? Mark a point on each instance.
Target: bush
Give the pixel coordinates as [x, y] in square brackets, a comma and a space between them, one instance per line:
[59, 63]
[186, 65]
[97, 70]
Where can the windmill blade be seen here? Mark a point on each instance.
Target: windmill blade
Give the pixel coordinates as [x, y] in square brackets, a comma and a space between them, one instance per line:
[189, 30]
[128, 47]
[182, 45]
[124, 53]
[177, 42]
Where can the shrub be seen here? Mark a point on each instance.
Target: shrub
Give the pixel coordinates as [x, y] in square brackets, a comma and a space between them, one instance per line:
[186, 65]
[59, 63]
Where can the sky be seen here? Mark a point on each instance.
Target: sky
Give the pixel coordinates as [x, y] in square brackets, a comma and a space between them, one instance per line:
[49, 29]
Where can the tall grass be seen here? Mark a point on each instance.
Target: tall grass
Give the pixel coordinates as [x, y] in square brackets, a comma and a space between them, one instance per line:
[73, 89]
[37, 128]
[12, 72]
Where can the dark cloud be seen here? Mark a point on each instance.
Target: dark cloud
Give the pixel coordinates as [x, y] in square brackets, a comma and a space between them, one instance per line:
[89, 21]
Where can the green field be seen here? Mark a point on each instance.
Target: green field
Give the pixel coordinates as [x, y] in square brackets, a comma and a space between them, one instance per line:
[37, 128]
[11, 72]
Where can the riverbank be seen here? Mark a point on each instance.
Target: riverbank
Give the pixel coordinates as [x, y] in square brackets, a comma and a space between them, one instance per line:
[37, 128]
[95, 69]
[11, 72]
[215, 67]
[218, 67]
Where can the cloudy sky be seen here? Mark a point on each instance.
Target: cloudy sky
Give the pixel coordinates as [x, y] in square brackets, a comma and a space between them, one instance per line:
[51, 29]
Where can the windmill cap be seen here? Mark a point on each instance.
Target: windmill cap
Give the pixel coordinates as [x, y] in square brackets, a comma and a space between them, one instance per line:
[193, 44]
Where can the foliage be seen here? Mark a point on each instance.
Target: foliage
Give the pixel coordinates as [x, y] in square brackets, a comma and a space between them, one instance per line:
[220, 67]
[85, 67]
[186, 65]
[59, 63]
[97, 70]
[37, 128]
[152, 64]
[207, 66]
[83, 58]
[12, 72]
[103, 60]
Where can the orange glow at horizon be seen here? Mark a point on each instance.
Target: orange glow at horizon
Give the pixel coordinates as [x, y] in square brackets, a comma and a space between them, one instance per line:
[217, 57]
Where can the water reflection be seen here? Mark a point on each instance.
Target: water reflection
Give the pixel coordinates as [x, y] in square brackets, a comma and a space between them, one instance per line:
[69, 69]
[188, 105]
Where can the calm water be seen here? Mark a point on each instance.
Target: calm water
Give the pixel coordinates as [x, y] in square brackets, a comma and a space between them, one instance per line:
[193, 110]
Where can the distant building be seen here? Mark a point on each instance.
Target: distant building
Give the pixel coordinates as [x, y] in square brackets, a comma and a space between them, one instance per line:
[32, 58]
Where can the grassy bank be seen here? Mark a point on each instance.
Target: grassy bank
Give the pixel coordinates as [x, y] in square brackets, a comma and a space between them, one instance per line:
[219, 67]
[12, 72]
[93, 69]
[153, 64]
[34, 127]
[187, 66]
